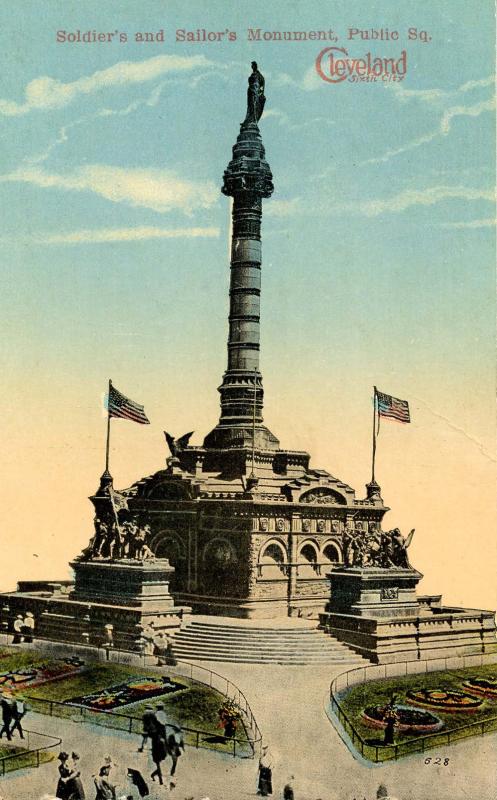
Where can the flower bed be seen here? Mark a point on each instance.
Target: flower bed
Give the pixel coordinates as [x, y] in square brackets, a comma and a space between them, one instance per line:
[410, 720]
[483, 686]
[31, 676]
[444, 699]
[132, 691]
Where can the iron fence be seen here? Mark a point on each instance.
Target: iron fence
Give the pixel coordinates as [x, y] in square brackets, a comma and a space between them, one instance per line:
[29, 756]
[381, 752]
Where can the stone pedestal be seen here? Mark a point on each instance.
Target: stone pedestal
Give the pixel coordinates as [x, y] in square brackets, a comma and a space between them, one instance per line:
[375, 592]
[376, 612]
[125, 582]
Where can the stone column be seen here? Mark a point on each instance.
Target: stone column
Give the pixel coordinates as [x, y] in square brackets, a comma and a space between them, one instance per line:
[247, 180]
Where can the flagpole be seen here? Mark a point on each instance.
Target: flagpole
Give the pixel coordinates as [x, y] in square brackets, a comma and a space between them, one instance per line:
[108, 430]
[374, 436]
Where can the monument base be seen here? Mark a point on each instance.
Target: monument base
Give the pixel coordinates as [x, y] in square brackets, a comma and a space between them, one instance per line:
[376, 612]
[122, 604]
[125, 582]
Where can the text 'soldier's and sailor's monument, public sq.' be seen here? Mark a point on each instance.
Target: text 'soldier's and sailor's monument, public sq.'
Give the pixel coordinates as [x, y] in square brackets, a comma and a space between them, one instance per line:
[239, 526]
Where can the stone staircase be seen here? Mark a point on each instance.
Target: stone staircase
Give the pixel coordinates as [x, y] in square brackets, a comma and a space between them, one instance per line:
[297, 642]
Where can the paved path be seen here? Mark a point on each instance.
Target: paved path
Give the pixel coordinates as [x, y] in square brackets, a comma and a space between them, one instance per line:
[288, 703]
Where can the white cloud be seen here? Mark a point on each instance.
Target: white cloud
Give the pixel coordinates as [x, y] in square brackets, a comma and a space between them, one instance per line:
[434, 95]
[309, 83]
[421, 197]
[470, 85]
[474, 223]
[138, 234]
[157, 189]
[465, 111]
[283, 119]
[45, 93]
[442, 129]
[426, 95]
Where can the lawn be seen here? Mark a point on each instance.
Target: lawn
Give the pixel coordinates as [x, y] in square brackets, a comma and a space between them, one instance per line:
[354, 700]
[20, 758]
[195, 706]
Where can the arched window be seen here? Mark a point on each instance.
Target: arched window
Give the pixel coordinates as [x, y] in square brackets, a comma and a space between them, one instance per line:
[272, 561]
[273, 552]
[332, 552]
[308, 553]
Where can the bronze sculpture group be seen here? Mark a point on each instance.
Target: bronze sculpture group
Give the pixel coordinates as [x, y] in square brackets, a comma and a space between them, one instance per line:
[376, 548]
[117, 541]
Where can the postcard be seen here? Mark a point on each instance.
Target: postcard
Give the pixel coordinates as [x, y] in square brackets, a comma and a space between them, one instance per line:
[248, 474]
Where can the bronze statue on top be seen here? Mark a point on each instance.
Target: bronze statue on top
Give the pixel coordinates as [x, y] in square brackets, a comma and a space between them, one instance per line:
[114, 540]
[376, 548]
[255, 95]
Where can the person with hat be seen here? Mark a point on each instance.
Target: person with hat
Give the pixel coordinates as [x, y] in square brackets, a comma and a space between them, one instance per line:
[64, 771]
[159, 754]
[175, 744]
[137, 780]
[28, 626]
[161, 719]
[18, 626]
[149, 722]
[18, 712]
[106, 789]
[265, 784]
[75, 789]
[7, 714]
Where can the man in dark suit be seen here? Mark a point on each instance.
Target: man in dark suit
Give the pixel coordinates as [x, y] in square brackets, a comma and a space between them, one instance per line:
[149, 721]
[18, 712]
[7, 714]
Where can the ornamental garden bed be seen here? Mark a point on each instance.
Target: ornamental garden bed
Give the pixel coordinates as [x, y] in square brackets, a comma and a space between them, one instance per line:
[411, 721]
[119, 689]
[486, 686]
[448, 700]
[448, 692]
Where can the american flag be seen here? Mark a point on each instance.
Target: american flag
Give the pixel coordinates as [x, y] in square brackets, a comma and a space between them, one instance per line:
[120, 406]
[392, 407]
[119, 501]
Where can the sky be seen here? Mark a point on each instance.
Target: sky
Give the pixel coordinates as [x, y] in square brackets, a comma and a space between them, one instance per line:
[378, 258]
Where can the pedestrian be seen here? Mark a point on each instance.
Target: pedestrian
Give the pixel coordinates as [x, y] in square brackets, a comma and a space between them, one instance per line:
[159, 753]
[288, 789]
[391, 718]
[382, 793]
[136, 779]
[160, 719]
[18, 712]
[75, 789]
[18, 628]
[265, 785]
[64, 771]
[7, 714]
[149, 722]
[106, 789]
[28, 626]
[175, 744]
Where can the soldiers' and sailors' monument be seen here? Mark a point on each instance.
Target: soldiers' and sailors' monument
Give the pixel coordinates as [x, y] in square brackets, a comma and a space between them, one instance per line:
[238, 526]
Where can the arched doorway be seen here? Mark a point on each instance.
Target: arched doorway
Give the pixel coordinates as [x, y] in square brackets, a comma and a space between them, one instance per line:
[219, 568]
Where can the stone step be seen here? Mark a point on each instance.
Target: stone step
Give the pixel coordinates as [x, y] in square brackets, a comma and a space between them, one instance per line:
[188, 634]
[346, 656]
[252, 628]
[328, 651]
[215, 647]
[295, 641]
[235, 630]
[302, 660]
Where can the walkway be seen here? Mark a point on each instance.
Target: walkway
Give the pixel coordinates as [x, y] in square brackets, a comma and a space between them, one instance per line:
[289, 706]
